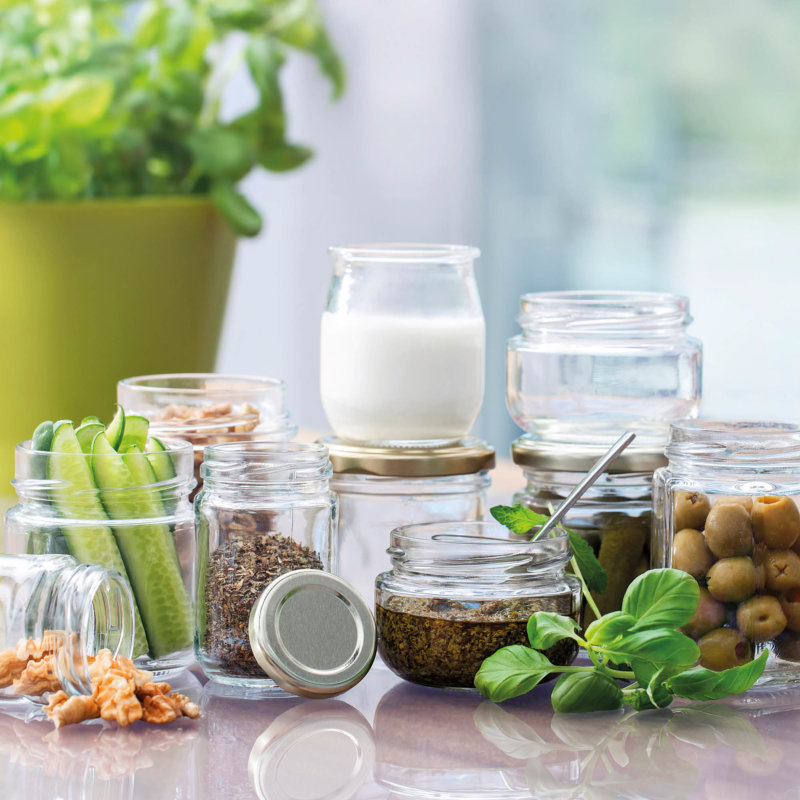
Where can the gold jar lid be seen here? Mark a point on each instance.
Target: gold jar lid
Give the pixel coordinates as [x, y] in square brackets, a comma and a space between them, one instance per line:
[464, 457]
[569, 457]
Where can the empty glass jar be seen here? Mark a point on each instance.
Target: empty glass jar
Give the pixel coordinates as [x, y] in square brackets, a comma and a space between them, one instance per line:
[54, 615]
[459, 591]
[589, 365]
[726, 512]
[382, 488]
[402, 344]
[265, 509]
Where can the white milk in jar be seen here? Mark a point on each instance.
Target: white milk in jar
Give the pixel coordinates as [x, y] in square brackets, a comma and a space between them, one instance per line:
[393, 377]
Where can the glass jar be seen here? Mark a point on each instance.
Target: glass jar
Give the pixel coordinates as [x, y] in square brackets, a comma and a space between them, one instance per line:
[402, 347]
[381, 489]
[55, 613]
[459, 591]
[614, 515]
[144, 531]
[266, 509]
[589, 365]
[726, 512]
[206, 408]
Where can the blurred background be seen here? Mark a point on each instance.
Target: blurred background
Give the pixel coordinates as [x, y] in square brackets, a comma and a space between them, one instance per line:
[616, 145]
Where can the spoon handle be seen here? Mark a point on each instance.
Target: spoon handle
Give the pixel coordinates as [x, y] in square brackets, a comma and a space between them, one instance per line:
[600, 466]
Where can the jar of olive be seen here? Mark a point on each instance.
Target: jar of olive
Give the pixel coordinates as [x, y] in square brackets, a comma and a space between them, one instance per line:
[614, 515]
[459, 591]
[726, 512]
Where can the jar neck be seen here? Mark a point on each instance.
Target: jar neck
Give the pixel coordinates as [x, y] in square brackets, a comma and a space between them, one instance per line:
[604, 315]
[86, 608]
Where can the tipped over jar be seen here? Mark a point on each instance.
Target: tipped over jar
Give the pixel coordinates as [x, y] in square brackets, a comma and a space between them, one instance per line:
[402, 345]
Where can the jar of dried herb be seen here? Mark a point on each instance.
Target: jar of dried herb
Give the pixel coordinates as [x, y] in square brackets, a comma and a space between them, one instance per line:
[384, 488]
[614, 515]
[459, 591]
[266, 509]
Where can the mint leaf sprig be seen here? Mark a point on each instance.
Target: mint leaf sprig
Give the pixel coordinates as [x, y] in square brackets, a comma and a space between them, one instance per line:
[638, 644]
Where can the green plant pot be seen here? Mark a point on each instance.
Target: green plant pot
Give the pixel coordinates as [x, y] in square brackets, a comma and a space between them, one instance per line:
[95, 291]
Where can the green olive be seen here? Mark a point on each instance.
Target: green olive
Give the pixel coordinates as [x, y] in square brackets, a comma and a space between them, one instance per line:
[776, 521]
[732, 580]
[783, 570]
[743, 500]
[690, 510]
[790, 604]
[729, 531]
[760, 618]
[710, 614]
[690, 554]
[724, 648]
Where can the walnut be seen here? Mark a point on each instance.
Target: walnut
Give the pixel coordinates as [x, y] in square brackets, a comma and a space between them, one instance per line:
[140, 676]
[38, 677]
[152, 689]
[114, 693]
[159, 710]
[187, 707]
[11, 667]
[72, 710]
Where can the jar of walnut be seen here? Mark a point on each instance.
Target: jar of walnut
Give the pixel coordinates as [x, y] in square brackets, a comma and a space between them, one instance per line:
[56, 615]
[206, 408]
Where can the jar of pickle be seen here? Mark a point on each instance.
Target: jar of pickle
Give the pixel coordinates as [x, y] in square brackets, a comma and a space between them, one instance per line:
[726, 512]
[265, 510]
[55, 614]
[614, 515]
[206, 408]
[383, 488]
[459, 591]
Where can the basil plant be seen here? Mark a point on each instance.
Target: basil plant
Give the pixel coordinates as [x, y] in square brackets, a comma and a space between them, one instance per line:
[111, 98]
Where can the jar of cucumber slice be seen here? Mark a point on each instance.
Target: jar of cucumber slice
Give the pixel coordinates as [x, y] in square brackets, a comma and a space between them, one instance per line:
[113, 495]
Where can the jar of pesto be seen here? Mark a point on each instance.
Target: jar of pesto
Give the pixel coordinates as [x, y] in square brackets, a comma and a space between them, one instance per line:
[614, 515]
[459, 591]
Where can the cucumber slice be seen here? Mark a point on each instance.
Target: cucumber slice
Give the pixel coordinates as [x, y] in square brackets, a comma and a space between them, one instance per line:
[147, 549]
[86, 433]
[41, 440]
[87, 420]
[159, 459]
[115, 428]
[134, 432]
[78, 500]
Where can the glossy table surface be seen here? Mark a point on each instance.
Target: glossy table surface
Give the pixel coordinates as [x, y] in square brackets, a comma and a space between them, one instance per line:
[389, 739]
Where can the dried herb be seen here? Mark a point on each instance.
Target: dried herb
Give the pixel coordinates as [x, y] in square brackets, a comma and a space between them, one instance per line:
[236, 574]
[440, 642]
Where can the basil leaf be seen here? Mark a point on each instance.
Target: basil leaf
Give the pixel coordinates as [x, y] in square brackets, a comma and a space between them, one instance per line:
[659, 647]
[593, 573]
[704, 684]
[639, 699]
[662, 598]
[659, 693]
[242, 217]
[222, 152]
[518, 518]
[546, 628]
[609, 627]
[286, 156]
[511, 671]
[591, 690]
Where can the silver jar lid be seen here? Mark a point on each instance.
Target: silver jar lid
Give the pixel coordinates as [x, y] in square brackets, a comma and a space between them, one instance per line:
[569, 457]
[312, 633]
[464, 457]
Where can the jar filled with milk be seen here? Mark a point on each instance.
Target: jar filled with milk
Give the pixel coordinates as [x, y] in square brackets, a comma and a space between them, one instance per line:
[403, 340]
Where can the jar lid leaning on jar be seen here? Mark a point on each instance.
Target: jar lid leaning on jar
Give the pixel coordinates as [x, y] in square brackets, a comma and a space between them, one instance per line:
[726, 512]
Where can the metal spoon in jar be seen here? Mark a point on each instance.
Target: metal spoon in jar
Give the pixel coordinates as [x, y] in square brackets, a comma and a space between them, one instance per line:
[600, 466]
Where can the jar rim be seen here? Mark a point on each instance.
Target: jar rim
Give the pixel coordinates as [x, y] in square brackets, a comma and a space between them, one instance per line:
[223, 384]
[470, 532]
[586, 312]
[405, 252]
[172, 447]
[734, 443]
[269, 462]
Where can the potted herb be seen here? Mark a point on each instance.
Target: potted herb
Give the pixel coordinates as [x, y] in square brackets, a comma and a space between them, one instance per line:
[119, 207]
